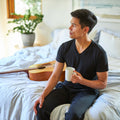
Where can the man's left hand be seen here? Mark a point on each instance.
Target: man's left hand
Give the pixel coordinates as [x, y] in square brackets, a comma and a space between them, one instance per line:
[76, 77]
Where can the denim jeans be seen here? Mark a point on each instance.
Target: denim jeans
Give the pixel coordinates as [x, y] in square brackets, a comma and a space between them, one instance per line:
[78, 96]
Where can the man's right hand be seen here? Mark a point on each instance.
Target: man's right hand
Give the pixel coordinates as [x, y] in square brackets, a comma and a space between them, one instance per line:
[39, 101]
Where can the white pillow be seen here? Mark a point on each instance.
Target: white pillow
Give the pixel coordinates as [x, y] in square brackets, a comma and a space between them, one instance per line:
[110, 43]
[114, 64]
[60, 36]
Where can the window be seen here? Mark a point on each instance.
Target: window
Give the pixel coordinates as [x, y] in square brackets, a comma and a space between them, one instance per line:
[20, 6]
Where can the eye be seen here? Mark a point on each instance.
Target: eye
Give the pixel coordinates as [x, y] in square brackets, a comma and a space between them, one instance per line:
[74, 25]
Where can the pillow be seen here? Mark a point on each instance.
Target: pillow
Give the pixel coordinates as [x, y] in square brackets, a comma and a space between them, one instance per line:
[60, 36]
[110, 43]
[114, 64]
[96, 35]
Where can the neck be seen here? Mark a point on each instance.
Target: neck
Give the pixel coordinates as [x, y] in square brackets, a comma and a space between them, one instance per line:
[82, 43]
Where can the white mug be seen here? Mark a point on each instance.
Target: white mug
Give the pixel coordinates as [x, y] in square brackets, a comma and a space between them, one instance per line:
[68, 73]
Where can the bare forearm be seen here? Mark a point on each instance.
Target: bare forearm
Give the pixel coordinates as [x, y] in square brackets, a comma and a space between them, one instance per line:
[53, 80]
[96, 84]
[100, 83]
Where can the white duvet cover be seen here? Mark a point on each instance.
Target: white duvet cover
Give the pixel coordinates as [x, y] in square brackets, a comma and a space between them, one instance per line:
[18, 93]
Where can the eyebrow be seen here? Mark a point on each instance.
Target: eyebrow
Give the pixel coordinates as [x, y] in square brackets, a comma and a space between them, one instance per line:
[73, 23]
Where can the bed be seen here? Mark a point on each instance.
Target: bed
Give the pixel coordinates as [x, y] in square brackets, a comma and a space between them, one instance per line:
[18, 93]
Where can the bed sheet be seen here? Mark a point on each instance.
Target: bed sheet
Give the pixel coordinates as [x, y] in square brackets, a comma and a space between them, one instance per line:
[28, 56]
[18, 93]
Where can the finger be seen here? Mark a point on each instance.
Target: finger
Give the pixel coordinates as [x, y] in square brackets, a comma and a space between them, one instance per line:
[41, 103]
[77, 73]
[35, 105]
[35, 111]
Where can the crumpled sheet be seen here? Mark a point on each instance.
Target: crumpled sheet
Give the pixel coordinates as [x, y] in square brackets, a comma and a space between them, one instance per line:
[18, 93]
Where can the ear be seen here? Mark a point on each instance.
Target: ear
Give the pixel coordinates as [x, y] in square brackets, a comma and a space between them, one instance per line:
[86, 29]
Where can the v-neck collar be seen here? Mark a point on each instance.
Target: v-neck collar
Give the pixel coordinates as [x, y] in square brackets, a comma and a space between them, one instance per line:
[84, 50]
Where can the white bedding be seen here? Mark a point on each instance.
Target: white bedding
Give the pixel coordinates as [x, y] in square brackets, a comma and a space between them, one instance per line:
[18, 93]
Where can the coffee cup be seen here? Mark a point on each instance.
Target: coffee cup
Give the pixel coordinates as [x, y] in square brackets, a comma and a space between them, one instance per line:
[68, 73]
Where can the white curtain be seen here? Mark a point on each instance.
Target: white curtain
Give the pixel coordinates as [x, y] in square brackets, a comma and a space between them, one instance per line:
[2, 28]
[7, 43]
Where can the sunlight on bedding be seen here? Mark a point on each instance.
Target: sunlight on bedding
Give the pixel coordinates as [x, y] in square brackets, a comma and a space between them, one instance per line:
[18, 93]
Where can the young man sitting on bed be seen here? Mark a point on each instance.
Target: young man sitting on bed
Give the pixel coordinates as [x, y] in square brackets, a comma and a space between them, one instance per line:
[91, 66]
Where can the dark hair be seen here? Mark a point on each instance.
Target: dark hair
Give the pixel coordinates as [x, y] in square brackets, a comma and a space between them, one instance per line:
[86, 17]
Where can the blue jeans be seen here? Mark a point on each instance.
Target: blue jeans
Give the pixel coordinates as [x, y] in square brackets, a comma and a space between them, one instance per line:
[78, 96]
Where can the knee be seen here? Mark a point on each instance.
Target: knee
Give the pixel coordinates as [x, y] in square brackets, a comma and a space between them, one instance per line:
[73, 115]
[42, 114]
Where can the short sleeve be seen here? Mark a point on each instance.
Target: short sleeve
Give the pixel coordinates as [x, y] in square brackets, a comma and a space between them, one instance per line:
[102, 62]
[60, 54]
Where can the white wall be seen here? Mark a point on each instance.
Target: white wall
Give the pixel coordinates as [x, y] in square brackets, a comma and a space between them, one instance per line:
[57, 13]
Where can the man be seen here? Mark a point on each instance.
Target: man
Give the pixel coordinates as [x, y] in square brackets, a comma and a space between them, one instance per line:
[91, 66]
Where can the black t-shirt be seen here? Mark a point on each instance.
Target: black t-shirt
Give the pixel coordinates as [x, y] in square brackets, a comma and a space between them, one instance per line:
[93, 59]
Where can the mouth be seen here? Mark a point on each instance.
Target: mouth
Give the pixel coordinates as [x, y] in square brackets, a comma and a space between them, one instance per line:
[70, 33]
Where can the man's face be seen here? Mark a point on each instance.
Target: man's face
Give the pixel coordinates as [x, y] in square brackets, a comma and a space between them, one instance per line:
[76, 31]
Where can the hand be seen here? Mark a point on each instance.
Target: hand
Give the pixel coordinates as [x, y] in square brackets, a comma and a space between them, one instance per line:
[76, 77]
[39, 101]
